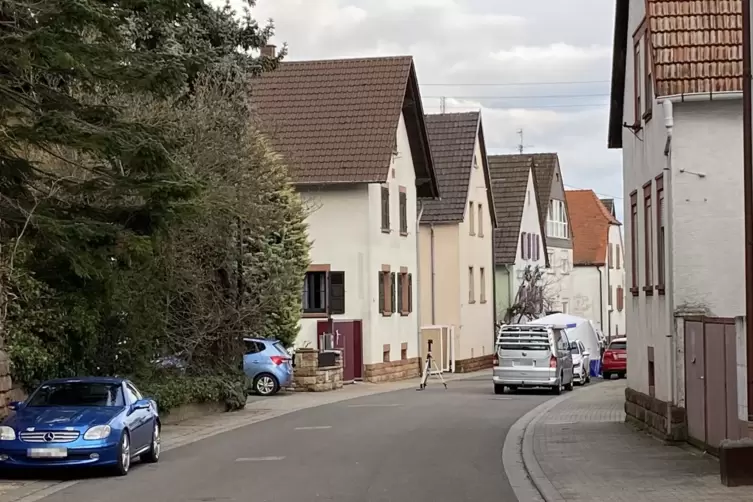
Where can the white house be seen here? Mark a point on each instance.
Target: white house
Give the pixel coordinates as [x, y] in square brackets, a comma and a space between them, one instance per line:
[598, 260]
[676, 113]
[455, 243]
[353, 134]
[519, 242]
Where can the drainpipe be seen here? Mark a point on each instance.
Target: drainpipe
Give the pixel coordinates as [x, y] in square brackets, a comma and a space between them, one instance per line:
[601, 299]
[669, 259]
[418, 277]
[748, 199]
[433, 279]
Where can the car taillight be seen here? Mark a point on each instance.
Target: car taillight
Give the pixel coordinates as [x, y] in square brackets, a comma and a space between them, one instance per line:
[552, 362]
[608, 354]
[278, 360]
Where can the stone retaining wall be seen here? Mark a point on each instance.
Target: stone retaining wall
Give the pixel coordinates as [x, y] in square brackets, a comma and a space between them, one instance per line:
[393, 370]
[474, 364]
[651, 414]
[309, 377]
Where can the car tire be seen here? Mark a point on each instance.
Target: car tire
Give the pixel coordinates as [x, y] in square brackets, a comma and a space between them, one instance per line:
[513, 388]
[153, 453]
[499, 389]
[557, 389]
[606, 375]
[570, 385]
[621, 375]
[265, 384]
[123, 464]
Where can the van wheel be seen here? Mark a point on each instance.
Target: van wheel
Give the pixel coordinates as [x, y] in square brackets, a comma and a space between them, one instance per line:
[557, 389]
[499, 389]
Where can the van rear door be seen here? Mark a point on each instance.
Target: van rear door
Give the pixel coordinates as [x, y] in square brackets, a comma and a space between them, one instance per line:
[524, 346]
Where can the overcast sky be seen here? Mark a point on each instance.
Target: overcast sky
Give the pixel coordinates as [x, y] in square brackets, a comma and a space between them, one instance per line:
[542, 66]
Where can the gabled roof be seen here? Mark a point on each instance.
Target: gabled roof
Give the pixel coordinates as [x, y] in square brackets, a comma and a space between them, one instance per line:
[452, 137]
[590, 222]
[696, 47]
[335, 121]
[509, 174]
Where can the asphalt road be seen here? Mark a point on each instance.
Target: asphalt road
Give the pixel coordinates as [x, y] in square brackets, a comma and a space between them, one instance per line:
[432, 446]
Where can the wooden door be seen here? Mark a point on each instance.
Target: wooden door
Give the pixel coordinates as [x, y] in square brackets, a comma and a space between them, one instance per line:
[695, 386]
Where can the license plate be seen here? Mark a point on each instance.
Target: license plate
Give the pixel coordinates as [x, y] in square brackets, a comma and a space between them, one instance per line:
[621, 356]
[47, 452]
[523, 362]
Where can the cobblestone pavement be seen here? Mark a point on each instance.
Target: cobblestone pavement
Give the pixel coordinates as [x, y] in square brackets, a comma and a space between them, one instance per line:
[256, 410]
[589, 454]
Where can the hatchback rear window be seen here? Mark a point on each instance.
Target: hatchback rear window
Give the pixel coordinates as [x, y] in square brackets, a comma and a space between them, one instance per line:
[280, 348]
[618, 346]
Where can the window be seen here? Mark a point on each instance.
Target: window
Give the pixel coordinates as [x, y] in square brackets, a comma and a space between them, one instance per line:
[480, 220]
[634, 243]
[648, 241]
[471, 287]
[482, 284]
[536, 247]
[648, 84]
[620, 299]
[651, 372]
[386, 291]
[523, 245]
[660, 249]
[131, 397]
[556, 223]
[324, 292]
[642, 74]
[403, 212]
[610, 257]
[385, 209]
[618, 256]
[471, 219]
[475, 161]
[637, 82]
[609, 296]
[405, 292]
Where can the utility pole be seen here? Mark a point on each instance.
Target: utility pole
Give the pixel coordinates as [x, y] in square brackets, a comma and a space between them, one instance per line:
[748, 191]
[443, 104]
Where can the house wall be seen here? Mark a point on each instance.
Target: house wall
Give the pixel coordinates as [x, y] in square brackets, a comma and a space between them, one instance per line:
[476, 334]
[503, 299]
[345, 229]
[560, 281]
[444, 278]
[529, 223]
[613, 317]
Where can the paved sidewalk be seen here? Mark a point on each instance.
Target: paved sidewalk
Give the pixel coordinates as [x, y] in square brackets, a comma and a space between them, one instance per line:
[256, 410]
[587, 453]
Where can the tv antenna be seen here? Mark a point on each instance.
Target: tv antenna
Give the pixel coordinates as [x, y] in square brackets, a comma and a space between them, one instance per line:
[443, 104]
[521, 146]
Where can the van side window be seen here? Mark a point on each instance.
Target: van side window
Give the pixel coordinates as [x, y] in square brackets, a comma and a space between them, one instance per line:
[562, 343]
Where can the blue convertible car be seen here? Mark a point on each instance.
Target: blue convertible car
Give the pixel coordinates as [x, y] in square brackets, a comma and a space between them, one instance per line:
[76, 422]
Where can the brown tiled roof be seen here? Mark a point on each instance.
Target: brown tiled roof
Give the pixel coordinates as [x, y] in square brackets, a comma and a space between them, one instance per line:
[335, 121]
[544, 165]
[452, 137]
[696, 48]
[509, 174]
[590, 222]
[697, 45]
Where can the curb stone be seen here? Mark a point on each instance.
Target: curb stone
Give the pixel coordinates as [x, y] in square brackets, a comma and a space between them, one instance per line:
[35, 490]
[527, 478]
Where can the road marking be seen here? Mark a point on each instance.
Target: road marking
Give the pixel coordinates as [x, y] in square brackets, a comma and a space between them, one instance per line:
[315, 427]
[373, 405]
[501, 398]
[258, 459]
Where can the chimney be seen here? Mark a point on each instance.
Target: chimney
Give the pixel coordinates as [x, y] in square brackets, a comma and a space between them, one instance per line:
[269, 51]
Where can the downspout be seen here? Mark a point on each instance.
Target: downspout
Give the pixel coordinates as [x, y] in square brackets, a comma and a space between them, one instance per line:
[608, 272]
[433, 279]
[601, 299]
[669, 260]
[418, 277]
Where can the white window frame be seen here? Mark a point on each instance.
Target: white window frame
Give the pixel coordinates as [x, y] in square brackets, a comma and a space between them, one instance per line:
[556, 222]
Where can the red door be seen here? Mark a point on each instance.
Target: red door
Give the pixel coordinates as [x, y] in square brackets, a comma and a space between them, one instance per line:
[347, 338]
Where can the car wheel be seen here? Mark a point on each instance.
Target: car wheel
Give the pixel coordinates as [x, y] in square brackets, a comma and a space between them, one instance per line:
[513, 388]
[620, 375]
[557, 389]
[606, 375]
[123, 464]
[152, 455]
[569, 385]
[266, 384]
[499, 389]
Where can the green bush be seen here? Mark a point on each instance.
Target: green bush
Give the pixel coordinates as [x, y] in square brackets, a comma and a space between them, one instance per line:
[176, 391]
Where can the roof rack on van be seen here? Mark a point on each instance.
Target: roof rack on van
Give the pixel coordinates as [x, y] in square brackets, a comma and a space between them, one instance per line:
[531, 327]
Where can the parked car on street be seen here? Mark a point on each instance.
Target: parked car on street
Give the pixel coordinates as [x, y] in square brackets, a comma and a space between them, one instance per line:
[614, 360]
[267, 364]
[581, 361]
[532, 355]
[78, 422]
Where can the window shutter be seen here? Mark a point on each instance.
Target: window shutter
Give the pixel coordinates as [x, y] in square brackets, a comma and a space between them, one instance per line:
[400, 294]
[336, 293]
[382, 300]
[620, 299]
[523, 237]
[537, 251]
[392, 292]
[385, 208]
[410, 292]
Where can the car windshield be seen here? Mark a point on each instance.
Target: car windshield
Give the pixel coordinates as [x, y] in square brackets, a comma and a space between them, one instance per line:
[618, 346]
[575, 349]
[78, 394]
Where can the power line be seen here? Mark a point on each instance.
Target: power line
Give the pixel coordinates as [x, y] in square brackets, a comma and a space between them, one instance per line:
[511, 84]
[594, 191]
[533, 96]
[537, 107]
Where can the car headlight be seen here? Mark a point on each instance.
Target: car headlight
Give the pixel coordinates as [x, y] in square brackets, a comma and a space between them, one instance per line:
[7, 433]
[98, 432]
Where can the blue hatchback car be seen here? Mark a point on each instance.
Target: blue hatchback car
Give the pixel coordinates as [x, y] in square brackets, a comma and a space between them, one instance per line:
[267, 365]
[77, 422]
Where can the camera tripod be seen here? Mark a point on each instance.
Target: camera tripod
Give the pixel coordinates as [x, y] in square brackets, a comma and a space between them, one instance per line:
[430, 364]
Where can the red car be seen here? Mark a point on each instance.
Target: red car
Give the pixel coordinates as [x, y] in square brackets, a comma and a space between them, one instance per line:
[614, 360]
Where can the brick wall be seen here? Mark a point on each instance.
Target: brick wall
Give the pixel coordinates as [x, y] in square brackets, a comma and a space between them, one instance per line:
[652, 415]
[393, 370]
[474, 364]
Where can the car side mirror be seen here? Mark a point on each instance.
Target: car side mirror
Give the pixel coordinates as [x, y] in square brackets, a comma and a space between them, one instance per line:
[142, 404]
[15, 405]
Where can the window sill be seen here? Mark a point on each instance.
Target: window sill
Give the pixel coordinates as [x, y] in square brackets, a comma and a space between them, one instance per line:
[314, 315]
[482, 301]
[404, 314]
[649, 290]
[386, 314]
[661, 289]
[481, 235]
[403, 234]
[472, 234]
[386, 231]
[635, 291]
[472, 302]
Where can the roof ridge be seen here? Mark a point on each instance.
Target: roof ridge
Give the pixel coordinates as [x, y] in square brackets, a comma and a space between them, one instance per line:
[353, 59]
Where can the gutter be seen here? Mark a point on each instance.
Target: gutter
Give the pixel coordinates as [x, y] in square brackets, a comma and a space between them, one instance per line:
[669, 259]
[601, 299]
[700, 96]
[418, 277]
